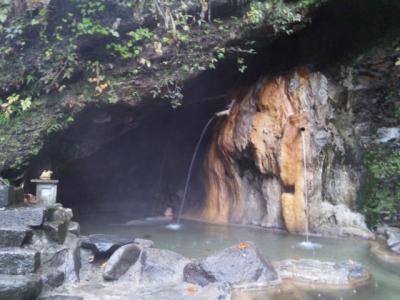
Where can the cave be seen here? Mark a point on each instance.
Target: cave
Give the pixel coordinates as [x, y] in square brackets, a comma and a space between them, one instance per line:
[126, 162]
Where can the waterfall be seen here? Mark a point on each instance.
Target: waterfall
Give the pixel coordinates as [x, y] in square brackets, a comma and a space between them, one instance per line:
[305, 183]
[306, 244]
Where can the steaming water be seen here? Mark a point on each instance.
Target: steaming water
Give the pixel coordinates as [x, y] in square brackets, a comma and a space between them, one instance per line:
[307, 244]
[200, 239]
[190, 170]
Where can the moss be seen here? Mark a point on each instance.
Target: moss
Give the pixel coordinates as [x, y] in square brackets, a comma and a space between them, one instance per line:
[381, 193]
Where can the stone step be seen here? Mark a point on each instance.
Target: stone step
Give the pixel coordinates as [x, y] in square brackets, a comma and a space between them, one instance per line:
[14, 236]
[24, 216]
[19, 287]
[18, 261]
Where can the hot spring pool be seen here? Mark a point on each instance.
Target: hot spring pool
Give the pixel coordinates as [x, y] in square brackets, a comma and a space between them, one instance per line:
[195, 239]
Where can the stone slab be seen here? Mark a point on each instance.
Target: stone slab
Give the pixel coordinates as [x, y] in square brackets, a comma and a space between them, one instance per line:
[14, 236]
[24, 216]
[19, 287]
[18, 261]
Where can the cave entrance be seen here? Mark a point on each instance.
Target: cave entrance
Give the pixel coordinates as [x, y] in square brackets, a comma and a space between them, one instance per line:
[132, 162]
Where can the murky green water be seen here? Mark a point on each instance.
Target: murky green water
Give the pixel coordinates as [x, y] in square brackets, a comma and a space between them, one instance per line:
[199, 239]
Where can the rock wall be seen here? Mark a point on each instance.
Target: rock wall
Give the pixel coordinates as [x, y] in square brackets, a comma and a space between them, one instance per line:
[255, 163]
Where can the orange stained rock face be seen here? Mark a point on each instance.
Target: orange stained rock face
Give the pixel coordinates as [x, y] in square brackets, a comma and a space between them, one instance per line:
[270, 134]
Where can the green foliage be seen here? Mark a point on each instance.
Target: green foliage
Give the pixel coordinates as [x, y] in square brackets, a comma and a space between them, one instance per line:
[43, 46]
[279, 13]
[382, 192]
[15, 103]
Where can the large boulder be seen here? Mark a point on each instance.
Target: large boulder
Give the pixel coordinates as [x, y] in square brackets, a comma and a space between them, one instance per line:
[120, 261]
[161, 267]
[19, 287]
[241, 265]
[309, 271]
[18, 261]
[105, 244]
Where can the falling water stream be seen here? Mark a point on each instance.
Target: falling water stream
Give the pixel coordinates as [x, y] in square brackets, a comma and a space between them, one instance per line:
[177, 225]
[306, 244]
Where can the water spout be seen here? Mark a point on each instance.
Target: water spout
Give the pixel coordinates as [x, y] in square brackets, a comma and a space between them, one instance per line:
[223, 113]
[189, 174]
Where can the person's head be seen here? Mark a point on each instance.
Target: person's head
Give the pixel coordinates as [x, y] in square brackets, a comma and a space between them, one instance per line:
[168, 212]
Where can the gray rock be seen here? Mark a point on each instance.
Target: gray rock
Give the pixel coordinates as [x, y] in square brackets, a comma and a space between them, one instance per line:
[18, 261]
[74, 228]
[57, 223]
[393, 239]
[241, 266]
[57, 213]
[19, 287]
[339, 220]
[24, 216]
[160, 267]
[326, 273]
[120, 261]
[387, 135]
[60, 259]
[144, 243]
[53, 279]
[56, 231]
[105, 244]
[14, 236]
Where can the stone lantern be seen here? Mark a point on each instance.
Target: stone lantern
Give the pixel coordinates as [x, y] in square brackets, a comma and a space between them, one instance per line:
[46, 189]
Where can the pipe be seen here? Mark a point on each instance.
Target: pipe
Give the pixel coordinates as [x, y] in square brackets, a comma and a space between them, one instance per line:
[223, 113]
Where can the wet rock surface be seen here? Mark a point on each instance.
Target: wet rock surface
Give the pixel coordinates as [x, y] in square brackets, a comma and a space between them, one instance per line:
[161, 266]
[14, 236]
[104, 244]
[18, 287]
[17, 261]
[326, 273]
[120, 261]
[240, 265]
